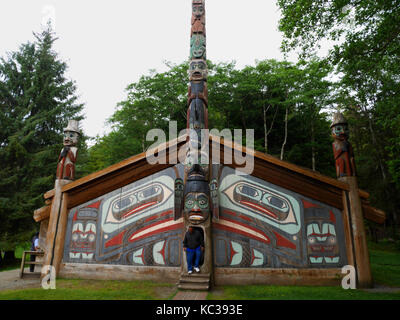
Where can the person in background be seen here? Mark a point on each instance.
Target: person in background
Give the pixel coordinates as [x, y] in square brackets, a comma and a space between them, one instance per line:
[34, 247]
[193, 245]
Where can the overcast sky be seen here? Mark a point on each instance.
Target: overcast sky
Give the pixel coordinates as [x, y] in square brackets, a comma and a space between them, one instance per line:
[110, 44]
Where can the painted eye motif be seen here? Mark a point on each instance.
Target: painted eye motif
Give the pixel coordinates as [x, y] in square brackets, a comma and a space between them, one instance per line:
[249, 192]
[311, 240]
[203, 203]
[92, 237]
[75, 237]
[149, 192]
[275, 202]
[332, 240]
[189, 202]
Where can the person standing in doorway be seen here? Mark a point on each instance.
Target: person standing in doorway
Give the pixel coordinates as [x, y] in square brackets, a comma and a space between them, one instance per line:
[193, 245]
[34, 247]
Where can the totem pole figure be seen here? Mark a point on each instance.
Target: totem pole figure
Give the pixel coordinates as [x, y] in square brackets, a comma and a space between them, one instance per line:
[198, 18]
[197, 201]
[342, 149]
[68, 155]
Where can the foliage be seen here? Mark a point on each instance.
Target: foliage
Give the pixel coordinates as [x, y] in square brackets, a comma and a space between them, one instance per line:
[365, 54]
[36, 101]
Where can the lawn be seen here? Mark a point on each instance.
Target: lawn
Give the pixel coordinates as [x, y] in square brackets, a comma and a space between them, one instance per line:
[385, 267]
[95, 290]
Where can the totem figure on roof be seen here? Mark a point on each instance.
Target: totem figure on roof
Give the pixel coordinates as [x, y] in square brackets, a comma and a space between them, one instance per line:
[68, 155]
[342, 149]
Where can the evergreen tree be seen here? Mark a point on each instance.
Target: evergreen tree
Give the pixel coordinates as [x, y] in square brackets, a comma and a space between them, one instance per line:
[36, 101]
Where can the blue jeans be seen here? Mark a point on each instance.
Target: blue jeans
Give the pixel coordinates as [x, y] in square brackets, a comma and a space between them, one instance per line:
[193, 253]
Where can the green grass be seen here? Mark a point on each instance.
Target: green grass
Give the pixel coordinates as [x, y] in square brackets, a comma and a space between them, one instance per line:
[385, 263]
[95, 290]
[262, 292]
[385, 267]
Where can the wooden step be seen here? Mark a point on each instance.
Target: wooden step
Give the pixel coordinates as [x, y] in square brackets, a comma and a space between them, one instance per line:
[188, 279]
[31, 275]
[194, 286]
[33, 262]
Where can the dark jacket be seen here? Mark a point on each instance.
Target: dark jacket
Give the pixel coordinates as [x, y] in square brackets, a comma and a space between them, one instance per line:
[193, 240]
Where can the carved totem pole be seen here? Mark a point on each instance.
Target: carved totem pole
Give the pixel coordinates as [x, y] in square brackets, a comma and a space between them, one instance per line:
[195, 202]
[67, 158]
[346, 172]
[342, 149]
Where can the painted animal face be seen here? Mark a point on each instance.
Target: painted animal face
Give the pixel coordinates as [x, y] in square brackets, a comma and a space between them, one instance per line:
[70, 138]
[340, 131]
[136, 203]
[197, 207]
[198, 9]
[322, 243]
[83, 240]
[198, 47]
[197, 70]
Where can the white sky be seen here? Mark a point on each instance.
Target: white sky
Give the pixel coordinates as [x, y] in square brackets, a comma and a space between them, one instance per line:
[110, 44]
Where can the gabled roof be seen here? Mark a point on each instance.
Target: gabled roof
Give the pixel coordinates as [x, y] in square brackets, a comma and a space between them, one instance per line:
[287, 175]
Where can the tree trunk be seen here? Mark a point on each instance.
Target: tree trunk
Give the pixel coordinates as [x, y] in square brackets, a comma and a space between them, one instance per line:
[312, 145]
[9, 256]
[265, 131]
[286, 133]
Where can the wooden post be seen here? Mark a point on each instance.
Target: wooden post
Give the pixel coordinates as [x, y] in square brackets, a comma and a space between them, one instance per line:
[54, 220]
[362, 263]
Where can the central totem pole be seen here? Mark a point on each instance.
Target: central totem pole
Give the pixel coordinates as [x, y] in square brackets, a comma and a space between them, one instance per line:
[193, 194]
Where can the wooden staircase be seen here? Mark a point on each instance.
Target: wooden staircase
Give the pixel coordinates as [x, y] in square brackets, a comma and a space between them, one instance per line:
[24, 262]
[194, 281]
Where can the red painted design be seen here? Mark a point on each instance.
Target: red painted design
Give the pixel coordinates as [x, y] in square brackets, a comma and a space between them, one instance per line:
[242, 232]
[143, 206]
[160, 230]
[166, 213]
[259, 208]
[307, 204]
[283, 242]
[151, 218]
[233, 252]
[162, 251]
[95, 205]
[245, 218]
[75, 216]
[230, 213]
[117, 240]
[253, 257]
[332, 217]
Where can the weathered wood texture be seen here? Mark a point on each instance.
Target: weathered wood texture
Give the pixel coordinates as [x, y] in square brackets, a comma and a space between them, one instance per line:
[362, 264]
[53, 221]
[42, 213]
[118, 272]
[306, 277]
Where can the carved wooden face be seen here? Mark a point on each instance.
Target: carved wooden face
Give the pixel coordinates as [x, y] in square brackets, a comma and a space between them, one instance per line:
[198, 47]
[340, 131]
[197, 70]
[198, 9]
[70, 138]
[197, 207]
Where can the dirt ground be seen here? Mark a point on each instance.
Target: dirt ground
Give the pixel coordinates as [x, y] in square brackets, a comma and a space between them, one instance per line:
[9, 280]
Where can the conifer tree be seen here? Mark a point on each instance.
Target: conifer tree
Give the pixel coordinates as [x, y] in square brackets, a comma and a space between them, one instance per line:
[36, 101]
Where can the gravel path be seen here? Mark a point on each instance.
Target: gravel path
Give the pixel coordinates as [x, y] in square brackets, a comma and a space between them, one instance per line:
[9, 280]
